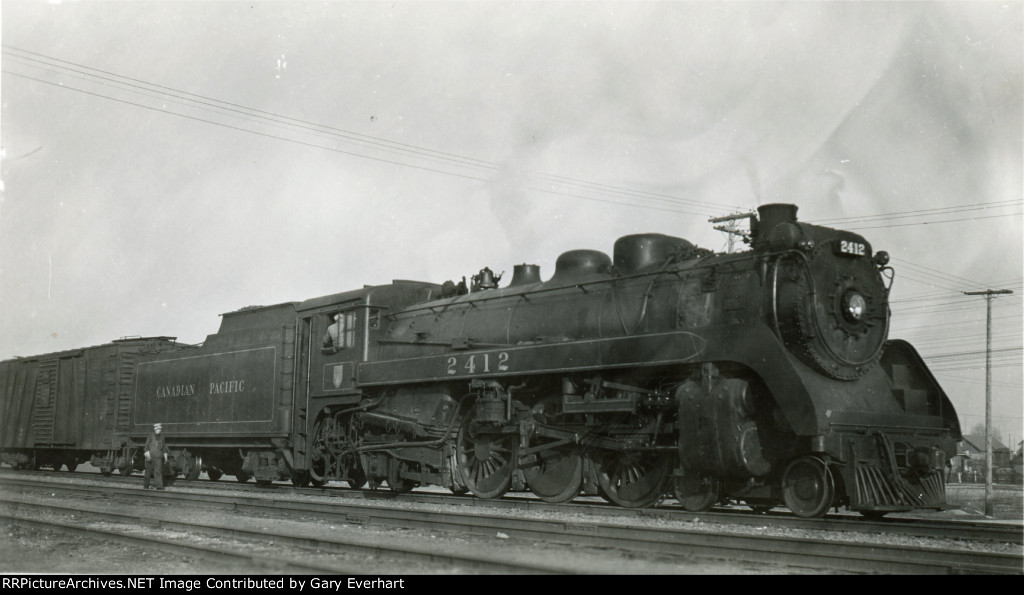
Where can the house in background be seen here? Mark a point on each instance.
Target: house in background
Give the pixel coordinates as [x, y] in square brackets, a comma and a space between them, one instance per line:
[969, 464]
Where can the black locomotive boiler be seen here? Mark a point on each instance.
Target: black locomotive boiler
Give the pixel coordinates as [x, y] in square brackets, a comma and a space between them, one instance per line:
[765, 376]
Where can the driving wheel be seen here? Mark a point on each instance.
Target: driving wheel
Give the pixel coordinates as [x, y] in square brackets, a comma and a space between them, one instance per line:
[630, 479]
[486, 457]
[554, 474]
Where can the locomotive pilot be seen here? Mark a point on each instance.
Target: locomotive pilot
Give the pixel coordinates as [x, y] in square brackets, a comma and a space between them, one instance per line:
[156, 456]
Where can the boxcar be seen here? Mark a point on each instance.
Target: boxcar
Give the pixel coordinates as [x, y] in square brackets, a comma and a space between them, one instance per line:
[70, 407]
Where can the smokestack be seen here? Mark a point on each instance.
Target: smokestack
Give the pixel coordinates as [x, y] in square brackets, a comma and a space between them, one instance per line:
[770, 216]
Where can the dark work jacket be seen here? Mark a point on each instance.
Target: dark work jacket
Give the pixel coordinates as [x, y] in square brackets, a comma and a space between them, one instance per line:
[156, 445]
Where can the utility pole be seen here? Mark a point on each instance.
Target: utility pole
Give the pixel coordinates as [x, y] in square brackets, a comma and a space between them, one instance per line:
[989, 295]
[731, 229]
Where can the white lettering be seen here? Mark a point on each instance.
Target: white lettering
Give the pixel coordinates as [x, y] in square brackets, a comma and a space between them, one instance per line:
[227, 387]
[175, 390]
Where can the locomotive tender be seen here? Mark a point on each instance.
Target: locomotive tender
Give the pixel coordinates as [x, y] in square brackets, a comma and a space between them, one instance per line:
[764, 376]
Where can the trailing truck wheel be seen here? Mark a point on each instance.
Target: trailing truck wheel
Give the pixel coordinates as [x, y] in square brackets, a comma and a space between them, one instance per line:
[300, 479]
[396, 482]
[808, 487]
[213, 473]
[356, 478]
[696, 492]
[241, 476]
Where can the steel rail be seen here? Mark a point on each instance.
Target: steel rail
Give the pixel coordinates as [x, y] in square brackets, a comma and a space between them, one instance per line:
[306, 542]
[966, 530]
[799, 552]
[175, 547]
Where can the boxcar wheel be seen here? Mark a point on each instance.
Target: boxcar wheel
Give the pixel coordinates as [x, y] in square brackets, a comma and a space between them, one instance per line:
[193, 467]
[241, 476]
[32, 464]
[213, 473]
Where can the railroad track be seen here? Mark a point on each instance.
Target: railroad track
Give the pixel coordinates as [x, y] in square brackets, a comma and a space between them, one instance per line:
[986, 531]
[678, 541]
[269, 548]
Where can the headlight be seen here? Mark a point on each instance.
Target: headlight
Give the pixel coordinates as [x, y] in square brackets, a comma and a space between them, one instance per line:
[854, 306]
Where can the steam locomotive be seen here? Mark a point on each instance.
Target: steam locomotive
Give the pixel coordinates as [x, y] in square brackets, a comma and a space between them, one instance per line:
[764, 376]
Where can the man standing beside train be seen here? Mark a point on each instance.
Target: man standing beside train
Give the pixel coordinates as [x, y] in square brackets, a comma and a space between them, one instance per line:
[156, 456]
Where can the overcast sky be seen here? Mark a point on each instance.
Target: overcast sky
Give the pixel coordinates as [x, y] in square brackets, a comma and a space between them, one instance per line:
[166, 162]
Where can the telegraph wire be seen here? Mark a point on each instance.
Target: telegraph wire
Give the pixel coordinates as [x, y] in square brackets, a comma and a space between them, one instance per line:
[236, 107]
[375, 142]
[341, 151]
[256, 132]
[921, 212]
[935, 272]
[856, 228]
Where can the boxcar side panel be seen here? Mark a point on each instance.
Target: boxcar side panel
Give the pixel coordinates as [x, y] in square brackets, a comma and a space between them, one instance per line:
[17, 403]
[25, 396]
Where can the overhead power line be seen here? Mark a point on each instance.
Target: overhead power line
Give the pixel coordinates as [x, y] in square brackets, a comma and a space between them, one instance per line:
[922, 212]
[106, 78]
[857, 228]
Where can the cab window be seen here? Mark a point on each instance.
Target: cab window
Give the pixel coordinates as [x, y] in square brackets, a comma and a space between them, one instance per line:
[341, 332]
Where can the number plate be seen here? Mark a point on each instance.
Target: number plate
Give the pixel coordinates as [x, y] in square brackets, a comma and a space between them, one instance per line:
[851, 248]
[476, 363]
